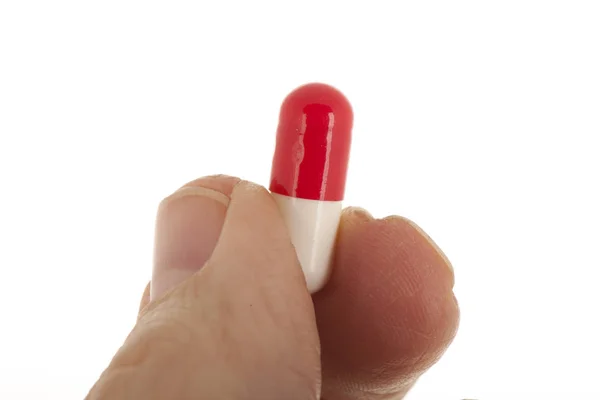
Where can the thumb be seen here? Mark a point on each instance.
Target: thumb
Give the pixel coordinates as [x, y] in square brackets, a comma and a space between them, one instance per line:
[188, 225]
[241, 328]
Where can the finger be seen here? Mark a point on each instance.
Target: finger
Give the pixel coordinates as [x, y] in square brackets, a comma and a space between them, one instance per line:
[241, 327]
[254, 270]
[188, 225]
[388, 311]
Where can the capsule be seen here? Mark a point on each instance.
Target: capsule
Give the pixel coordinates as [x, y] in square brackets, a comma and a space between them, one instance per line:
[308, 176]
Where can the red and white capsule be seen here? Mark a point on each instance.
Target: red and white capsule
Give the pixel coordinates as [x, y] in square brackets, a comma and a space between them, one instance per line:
[308, 177]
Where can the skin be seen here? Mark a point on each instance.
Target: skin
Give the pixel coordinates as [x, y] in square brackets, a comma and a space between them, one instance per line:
[228, 315]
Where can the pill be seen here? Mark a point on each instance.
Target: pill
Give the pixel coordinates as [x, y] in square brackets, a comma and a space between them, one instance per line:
[308, 175]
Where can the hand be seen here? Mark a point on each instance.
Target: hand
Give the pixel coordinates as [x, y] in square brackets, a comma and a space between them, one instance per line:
[228, 315]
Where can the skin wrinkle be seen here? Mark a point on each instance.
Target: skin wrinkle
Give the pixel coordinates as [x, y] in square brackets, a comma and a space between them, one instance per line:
[142, 348]
[189, 293]
[144, 300]
[416, 286]
[429, 314]
[427, 310]
[169, 330]
[413, 276]
[393, 384]
[398, 253]
[149, 317]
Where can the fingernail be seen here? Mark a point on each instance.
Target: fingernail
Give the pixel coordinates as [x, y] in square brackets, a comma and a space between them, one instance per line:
[188, 225]
[359, 212]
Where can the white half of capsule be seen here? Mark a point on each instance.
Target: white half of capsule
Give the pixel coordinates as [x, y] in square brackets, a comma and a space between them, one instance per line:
[312, 226]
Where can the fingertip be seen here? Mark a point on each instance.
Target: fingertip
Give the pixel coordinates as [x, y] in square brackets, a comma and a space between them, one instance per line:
[388, 312]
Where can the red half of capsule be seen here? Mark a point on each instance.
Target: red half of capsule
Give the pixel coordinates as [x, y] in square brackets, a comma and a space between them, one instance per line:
[313, 144]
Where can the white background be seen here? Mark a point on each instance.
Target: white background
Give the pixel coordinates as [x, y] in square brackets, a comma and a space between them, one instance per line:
[479, 120]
